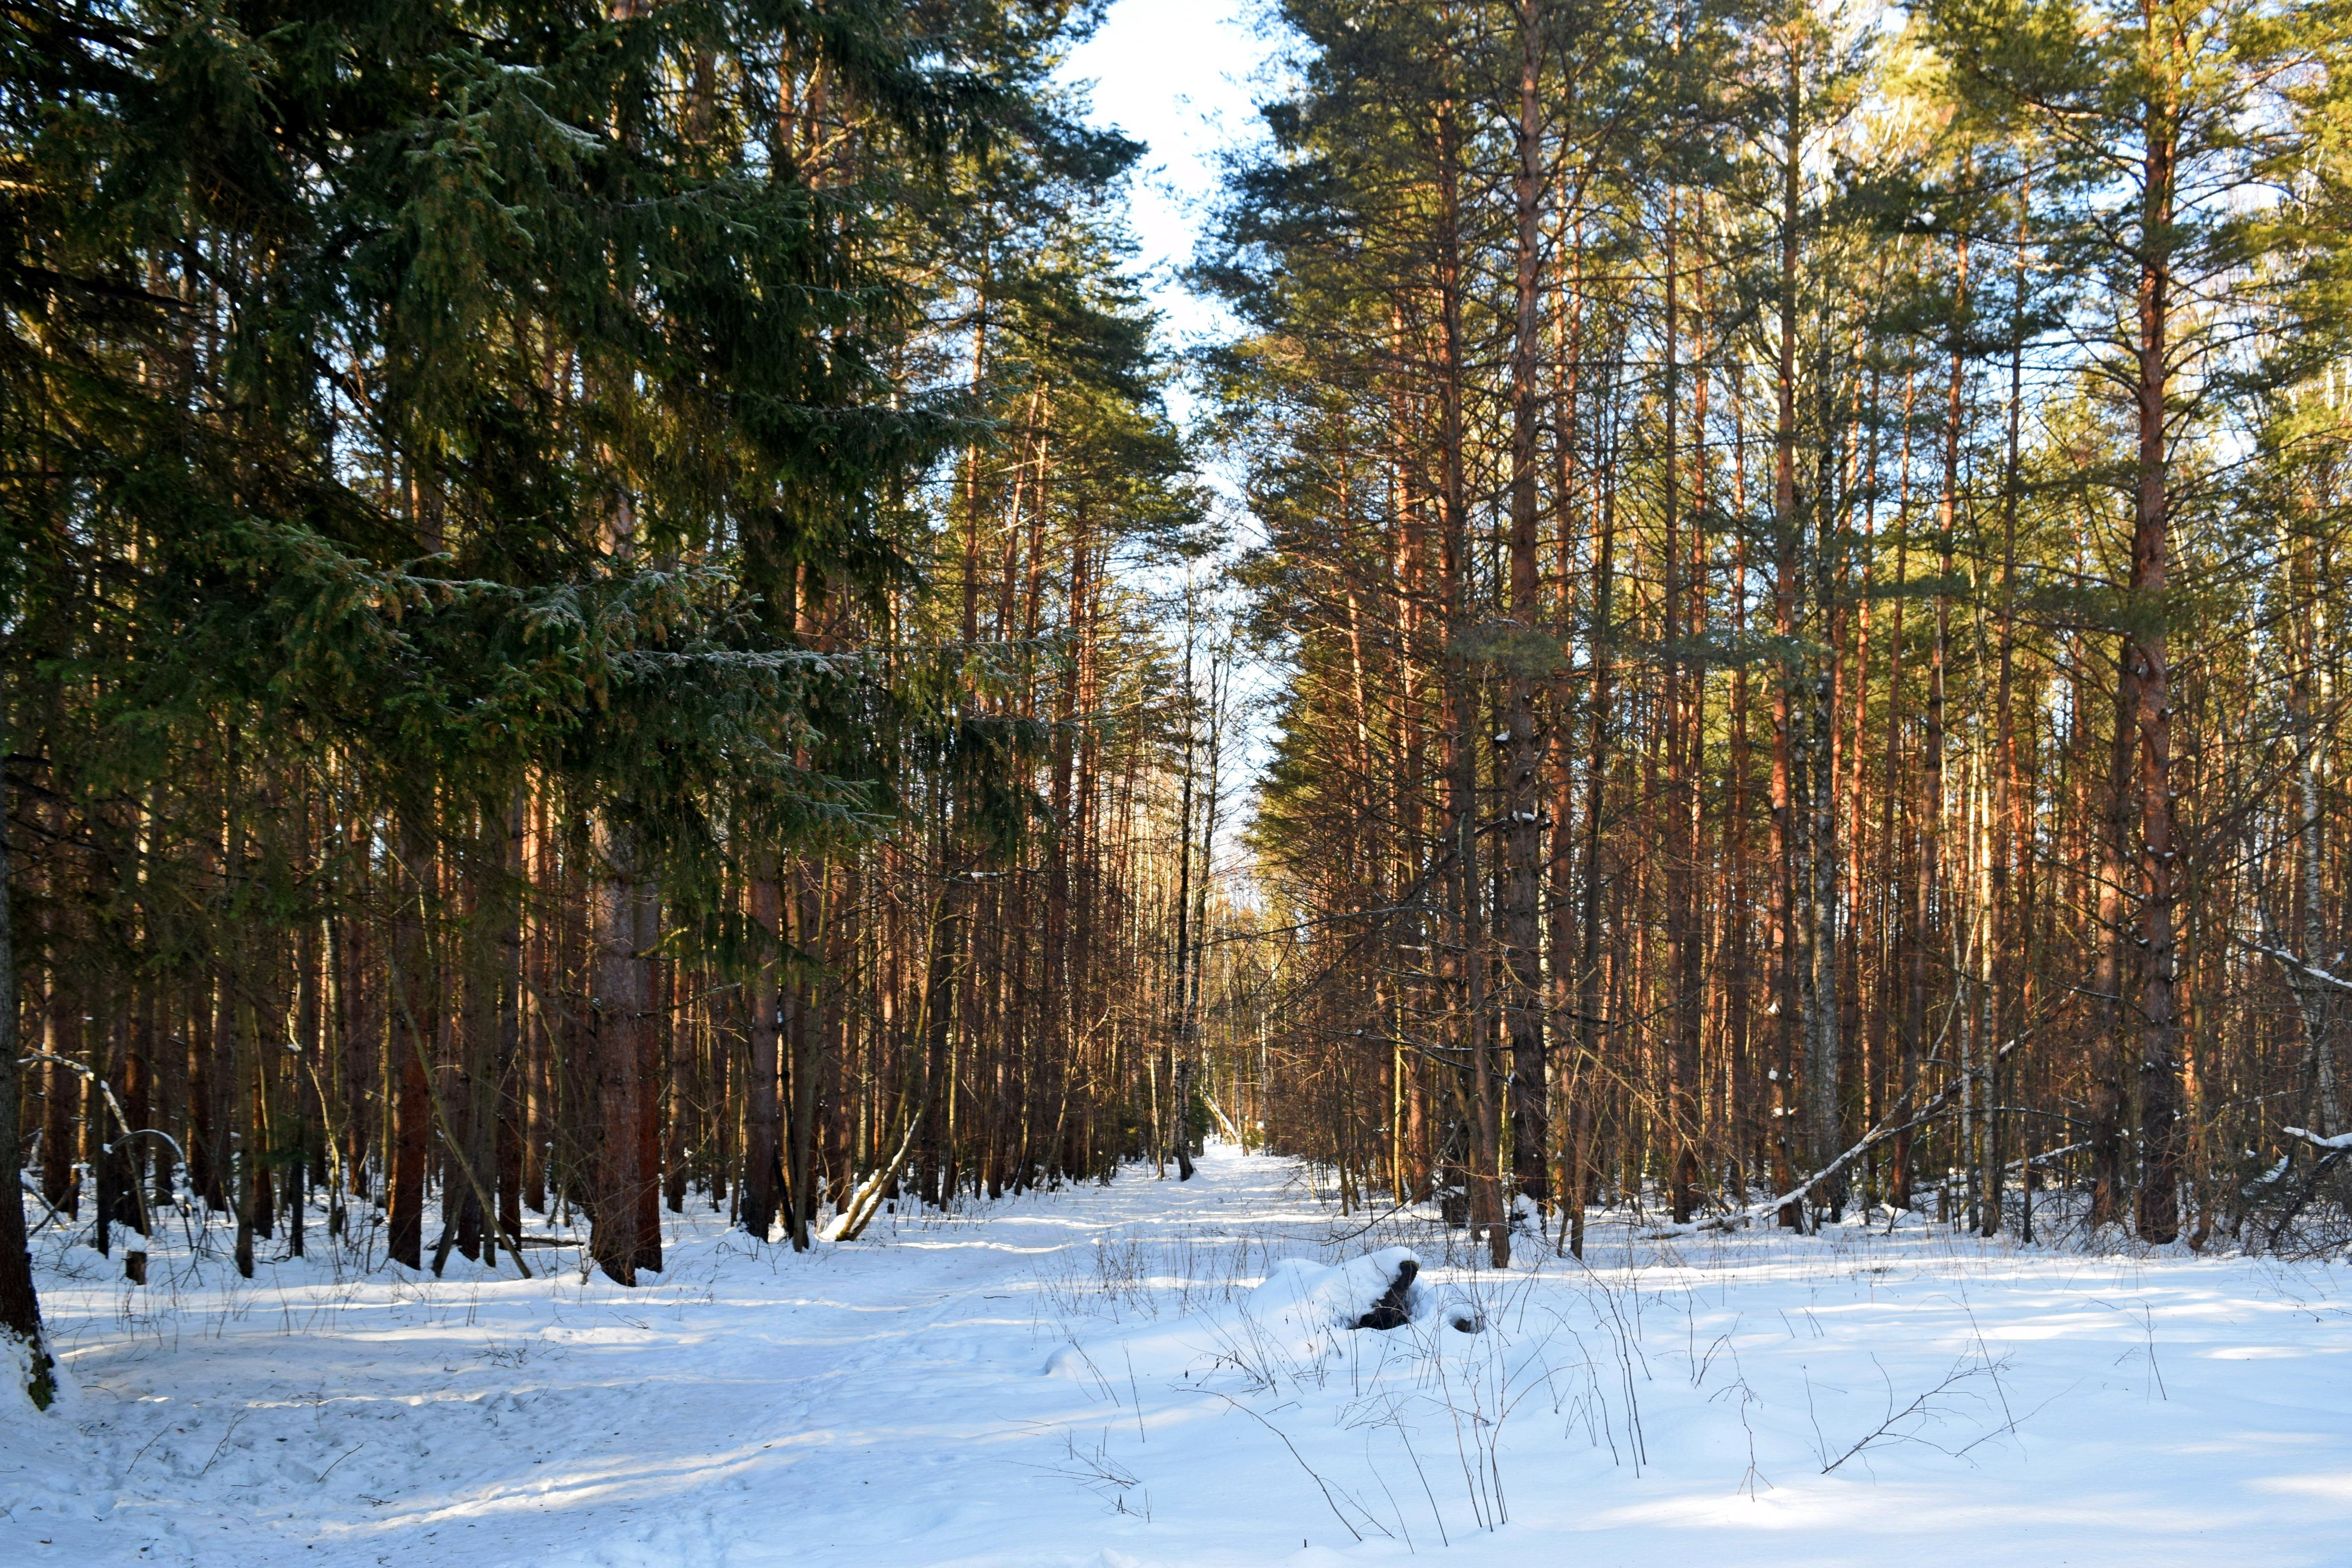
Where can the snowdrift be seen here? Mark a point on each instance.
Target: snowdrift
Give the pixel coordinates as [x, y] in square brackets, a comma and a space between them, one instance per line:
[1303, 1315]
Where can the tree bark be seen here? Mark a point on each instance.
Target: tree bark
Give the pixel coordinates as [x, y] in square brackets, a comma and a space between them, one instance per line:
[2159, 1065]
[1786, 525]
[2109, 1044]
[764, 1110]
[1523, 841]
[412, 1011]
[20, 1308]
[623, 1000]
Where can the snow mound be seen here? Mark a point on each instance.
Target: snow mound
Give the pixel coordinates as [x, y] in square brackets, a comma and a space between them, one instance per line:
[1069, 1361]
[1305, 1304]
[1457, 1310]
[1332, 1296]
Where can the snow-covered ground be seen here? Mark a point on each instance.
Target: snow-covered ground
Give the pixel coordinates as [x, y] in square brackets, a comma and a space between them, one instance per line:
[1097, 1377]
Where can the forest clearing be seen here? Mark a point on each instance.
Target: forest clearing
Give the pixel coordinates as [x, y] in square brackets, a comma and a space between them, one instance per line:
[1094, 1376]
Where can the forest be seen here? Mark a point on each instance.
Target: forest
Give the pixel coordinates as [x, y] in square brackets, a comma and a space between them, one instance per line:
[1878, 481]
[627, 642]
[569, 635]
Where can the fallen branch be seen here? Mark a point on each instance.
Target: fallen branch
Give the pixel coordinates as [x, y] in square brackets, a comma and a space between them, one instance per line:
[860, 1211]
[2331, 1149]
[1871, 1139]
[26, 1182]
[2047, 1154]
[89, 1077]
[2288, 961]
[1885, 1431]
[1224, 1120]
[866, 1201]
[494, 1229]
[1320, 1484]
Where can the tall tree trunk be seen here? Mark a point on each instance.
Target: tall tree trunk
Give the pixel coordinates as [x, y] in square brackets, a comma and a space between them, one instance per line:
[508, 1086]
[61, 1087]
[805, 1041]
[2315, 1001]
[1179, 1059]
[623, 1001]
[1567, 974]
[1786, 526]
[1684, 938]
[1462, 725]
[2008, 959]
[764, 1110]
[1822, 534]
[412, 1032]
[1593, 1027]
[653, 1075]
[1523, 842]
[20, 1308]
[1905, 938]
[2159, 1065]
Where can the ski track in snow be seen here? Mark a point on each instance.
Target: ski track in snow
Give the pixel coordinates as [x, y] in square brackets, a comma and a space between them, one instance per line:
[888, 1403]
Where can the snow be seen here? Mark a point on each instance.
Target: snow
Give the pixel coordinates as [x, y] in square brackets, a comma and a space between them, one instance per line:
[1156, 1373]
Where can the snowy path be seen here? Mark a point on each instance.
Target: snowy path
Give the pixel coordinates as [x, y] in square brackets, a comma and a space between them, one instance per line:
[888, 1404]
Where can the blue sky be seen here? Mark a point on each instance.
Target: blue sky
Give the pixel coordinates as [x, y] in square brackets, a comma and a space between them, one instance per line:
[1176, 75]
[1182, 76]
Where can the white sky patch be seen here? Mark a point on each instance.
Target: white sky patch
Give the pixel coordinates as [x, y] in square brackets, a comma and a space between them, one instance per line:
[1175, 74]
[1183, 77]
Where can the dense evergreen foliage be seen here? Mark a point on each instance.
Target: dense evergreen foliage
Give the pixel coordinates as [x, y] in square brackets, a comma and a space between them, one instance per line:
[563, 617]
